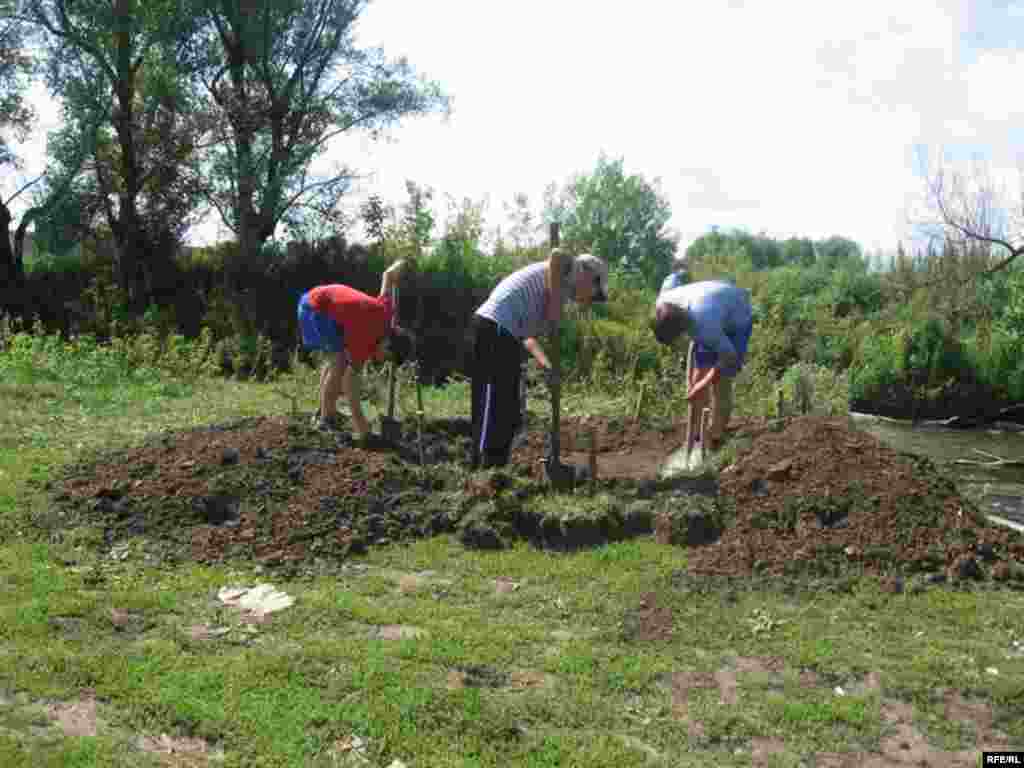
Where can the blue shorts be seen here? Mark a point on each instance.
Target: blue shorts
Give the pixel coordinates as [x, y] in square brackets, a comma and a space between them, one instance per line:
[319, 331]
[705, 357]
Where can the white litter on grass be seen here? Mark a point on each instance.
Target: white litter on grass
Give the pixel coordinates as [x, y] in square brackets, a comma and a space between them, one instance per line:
[261, 599]
[839, 691]
[992, 670]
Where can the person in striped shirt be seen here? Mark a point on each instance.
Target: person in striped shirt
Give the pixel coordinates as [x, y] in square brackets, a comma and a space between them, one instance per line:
[351, 328]
[524, 306]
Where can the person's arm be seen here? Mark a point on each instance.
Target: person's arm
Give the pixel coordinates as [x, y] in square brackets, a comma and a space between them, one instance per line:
[537, 352]
[703, 383]
[715, 338]
[353, 388]
[557, 263]
[391, 277]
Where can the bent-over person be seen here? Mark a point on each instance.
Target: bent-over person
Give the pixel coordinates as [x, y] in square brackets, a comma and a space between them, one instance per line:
[523, 307]
[718, 318]
[350, 327]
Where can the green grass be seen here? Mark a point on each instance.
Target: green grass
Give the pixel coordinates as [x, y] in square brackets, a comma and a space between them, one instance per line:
[590, 690]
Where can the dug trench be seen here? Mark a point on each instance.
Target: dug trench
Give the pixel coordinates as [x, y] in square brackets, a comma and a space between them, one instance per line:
[805, 496]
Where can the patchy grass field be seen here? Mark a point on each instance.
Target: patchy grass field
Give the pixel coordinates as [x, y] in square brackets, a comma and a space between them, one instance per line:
[431, 654]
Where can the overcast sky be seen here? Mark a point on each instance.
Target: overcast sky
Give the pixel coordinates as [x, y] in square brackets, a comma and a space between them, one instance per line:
[791, 117]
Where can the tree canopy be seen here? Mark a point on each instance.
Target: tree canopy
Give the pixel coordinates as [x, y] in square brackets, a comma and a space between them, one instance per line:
[621, 218]
[284, 77]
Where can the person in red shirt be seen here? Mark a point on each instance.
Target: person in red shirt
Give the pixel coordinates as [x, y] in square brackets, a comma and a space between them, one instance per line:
[351, 327]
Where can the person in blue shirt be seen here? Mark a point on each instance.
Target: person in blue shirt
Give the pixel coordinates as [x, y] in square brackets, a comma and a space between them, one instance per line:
[718, 317]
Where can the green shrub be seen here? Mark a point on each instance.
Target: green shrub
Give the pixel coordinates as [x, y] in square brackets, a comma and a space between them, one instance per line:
[924, 356]
[998, 358]
[879, 365]
[827, 389]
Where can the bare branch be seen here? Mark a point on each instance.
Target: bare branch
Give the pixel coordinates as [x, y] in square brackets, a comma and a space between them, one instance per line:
[11, 199]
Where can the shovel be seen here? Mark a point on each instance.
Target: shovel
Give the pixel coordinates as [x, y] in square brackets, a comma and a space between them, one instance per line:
[691, 410]
[686, 459]
[419, 404]
[560, 476]
[390, 427]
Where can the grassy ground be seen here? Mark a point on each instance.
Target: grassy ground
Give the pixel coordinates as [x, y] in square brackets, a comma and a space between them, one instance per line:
[434, 655]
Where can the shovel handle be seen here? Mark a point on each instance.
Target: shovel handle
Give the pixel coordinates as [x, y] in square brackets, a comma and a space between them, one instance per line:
[691, 409]
[555, 357]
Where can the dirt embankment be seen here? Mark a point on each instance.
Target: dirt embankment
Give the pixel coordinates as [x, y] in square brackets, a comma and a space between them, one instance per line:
[807, 495]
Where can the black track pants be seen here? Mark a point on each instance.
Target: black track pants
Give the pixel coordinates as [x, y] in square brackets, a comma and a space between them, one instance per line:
[496, 408]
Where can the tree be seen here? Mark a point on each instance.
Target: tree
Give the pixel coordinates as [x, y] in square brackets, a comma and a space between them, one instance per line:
[717, 255]
[374, 214]
[522, 226]
[969, 207]
[620, 218]
[15, 115]
[61, 209]
[285, 77]
[839, 253]
[122, 68]
[465, 220]
[798, 251]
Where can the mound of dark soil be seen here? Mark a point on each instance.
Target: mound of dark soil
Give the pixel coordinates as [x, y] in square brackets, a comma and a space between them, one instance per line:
[275, 490]
[808, 495]
[266, 488]
[815, 495]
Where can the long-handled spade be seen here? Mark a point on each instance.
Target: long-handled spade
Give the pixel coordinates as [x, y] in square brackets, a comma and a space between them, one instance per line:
[419, 403]
[691, 410]
[560, 476]
[390, 427]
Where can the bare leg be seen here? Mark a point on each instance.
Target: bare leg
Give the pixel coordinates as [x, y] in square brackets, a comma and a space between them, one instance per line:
[331, 385]
[721, 409]
[323, 381]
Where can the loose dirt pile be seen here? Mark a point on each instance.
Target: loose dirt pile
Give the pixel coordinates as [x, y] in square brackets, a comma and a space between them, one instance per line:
[271, 489]
[275, 490]
[809, 495]
[815, 495]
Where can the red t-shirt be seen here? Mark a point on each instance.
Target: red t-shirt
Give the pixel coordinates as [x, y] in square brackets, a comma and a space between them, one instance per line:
[363, 319]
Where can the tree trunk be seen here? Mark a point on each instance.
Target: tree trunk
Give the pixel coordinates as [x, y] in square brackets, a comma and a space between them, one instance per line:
[19, 244]
[10, 274]
[7, 262]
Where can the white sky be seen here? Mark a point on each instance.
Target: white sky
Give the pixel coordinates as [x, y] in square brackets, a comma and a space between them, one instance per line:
[793, 117]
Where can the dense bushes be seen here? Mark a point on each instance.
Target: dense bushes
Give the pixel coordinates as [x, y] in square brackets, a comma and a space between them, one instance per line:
[854, 334]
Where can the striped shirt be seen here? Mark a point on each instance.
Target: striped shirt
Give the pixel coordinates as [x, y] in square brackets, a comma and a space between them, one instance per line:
[519, 302]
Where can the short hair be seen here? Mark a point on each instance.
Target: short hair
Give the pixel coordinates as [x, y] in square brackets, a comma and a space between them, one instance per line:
[669, 322]
[599, 269]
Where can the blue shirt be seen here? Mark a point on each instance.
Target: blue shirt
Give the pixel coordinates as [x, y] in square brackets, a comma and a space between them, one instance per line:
[714, 308]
